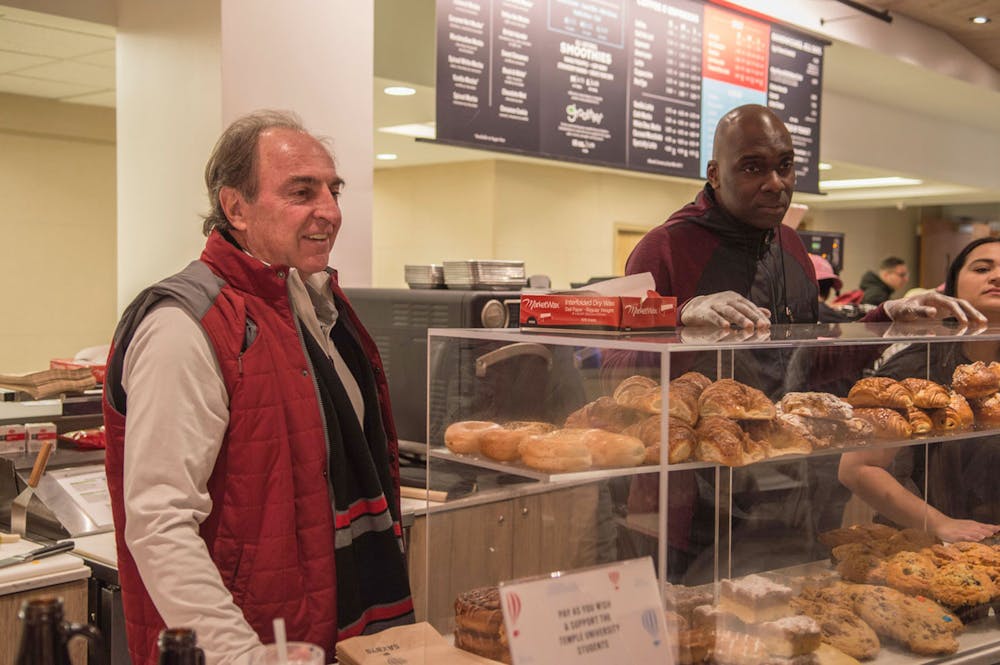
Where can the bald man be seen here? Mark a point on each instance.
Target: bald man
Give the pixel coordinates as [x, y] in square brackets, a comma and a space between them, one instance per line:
[728, 258]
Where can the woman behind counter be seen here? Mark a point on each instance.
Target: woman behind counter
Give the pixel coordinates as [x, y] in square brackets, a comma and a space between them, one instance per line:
[963, 495]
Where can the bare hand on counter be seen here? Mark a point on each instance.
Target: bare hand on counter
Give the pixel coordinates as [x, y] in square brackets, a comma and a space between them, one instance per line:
[724, 309]
[952, 530]
[932, 305]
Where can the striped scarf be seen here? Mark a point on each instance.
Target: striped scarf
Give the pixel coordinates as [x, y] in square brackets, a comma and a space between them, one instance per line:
[373, 590]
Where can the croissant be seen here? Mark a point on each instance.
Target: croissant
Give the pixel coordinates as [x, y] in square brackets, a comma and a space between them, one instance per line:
[957, 415]
[732, 399]
[720, 440]
[696, 378]
[603, 413]
[919, 420]
[927, 394]
[987, 410]
[683, 400]
[880, 391]
[682, 439]
[886, 423]
[816, 405]
[975, 379]
[640, 393]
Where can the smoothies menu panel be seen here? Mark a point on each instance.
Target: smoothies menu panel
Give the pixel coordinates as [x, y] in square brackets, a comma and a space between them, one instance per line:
[637, 84]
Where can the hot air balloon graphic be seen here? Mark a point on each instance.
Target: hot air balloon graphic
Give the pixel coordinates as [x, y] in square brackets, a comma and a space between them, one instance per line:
[651, 624]
[614, 576]
[514, 611]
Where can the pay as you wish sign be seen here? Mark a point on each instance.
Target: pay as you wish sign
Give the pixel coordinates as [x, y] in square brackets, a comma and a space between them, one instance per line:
[606, 614]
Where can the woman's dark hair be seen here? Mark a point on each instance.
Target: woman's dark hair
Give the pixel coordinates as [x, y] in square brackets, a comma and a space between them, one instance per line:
[951, 282]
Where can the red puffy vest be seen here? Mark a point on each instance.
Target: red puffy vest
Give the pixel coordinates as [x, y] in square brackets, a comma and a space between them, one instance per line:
[271, 529]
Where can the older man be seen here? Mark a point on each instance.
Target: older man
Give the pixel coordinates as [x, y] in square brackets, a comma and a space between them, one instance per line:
[252, 458]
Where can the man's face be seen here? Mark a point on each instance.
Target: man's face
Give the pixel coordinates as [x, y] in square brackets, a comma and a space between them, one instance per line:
[896, 277]
[753, 174]
[295, 217]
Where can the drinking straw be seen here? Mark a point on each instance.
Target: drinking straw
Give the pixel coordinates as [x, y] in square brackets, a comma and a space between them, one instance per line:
[281, 643]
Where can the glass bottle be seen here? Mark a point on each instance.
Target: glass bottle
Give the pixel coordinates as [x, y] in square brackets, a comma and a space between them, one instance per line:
[44, 634]
[179, 646]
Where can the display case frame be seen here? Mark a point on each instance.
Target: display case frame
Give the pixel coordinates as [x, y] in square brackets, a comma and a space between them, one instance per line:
[727, 347]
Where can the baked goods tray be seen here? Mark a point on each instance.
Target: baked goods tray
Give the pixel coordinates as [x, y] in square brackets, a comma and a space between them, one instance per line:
[596, 474]
[526, 472]
[979, 643]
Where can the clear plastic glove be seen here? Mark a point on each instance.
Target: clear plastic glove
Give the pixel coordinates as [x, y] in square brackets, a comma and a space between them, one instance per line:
[707, 335]
[953, 531]
[932, 305]
[724, 309]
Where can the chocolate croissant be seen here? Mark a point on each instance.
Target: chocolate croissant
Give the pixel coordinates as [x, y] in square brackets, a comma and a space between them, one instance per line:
[919, 420]
[956, 416]
[732, 399]
[880, 391]
[927, 394]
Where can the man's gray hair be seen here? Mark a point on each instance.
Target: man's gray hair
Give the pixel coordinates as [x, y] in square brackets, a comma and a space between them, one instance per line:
[233, 162]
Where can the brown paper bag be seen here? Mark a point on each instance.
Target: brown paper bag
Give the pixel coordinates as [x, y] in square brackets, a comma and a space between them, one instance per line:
[416, 644]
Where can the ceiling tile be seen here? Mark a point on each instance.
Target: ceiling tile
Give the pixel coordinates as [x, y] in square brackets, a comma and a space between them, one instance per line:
[73, 72]
[11, 61]
[101, 59]
[22, 85]
[38, 40]
[106, 98]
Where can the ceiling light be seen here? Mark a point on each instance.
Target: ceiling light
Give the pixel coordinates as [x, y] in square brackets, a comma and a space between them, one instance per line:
[423, 130]
[979, 20]
[399, 91]
[386, 156]
[861, 183]
[823, 166]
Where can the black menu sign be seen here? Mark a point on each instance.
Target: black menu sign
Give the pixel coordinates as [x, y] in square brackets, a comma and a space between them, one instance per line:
[636, 84]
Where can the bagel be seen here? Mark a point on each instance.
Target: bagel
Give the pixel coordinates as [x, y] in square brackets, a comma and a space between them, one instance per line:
[464, 436]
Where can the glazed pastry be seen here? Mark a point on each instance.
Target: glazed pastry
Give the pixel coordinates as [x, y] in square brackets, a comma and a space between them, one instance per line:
[886, 423]
[927, 394]
[882, 391]
[732, 399]
[956, 416]
[501, 443]
[976, 379]
[920, 421]
[640, 393]
[609, 450]
[987, 410]
[779, 436]
[603, 413]
[816, 405]
[720, 440]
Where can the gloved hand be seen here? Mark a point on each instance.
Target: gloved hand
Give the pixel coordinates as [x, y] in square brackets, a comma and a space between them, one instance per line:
[932, 305]
[724, 309]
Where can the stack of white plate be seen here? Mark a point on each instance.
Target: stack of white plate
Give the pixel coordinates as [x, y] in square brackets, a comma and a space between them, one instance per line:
[429, 276]
[484, 274]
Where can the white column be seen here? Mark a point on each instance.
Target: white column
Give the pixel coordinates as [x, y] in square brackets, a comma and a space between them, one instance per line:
[186, 68]
[169, 115]
[313, 57]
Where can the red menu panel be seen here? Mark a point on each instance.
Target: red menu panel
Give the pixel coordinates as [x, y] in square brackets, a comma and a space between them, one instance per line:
[735, 49]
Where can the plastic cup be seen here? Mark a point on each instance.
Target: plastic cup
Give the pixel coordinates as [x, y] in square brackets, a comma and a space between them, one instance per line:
[296, 653]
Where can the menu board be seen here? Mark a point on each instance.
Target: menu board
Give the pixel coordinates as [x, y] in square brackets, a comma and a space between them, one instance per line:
[635, 84]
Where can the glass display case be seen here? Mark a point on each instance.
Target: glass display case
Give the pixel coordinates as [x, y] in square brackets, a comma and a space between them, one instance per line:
[726, 457]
